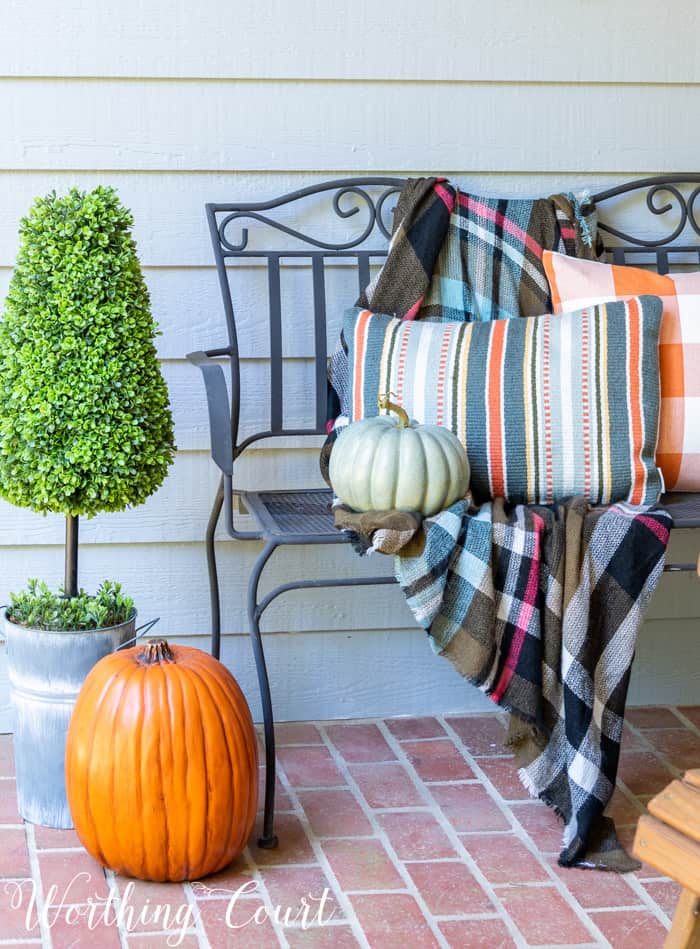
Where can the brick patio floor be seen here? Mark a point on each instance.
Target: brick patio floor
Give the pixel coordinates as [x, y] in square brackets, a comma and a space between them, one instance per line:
[416, 830]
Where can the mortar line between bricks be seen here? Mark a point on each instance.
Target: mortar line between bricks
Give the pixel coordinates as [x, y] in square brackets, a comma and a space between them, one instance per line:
[161, 932]
[316, 787]
[652, 749]
[202, 938]
[622, 787]
[420, 808]
[614, 909]
[631, 797]
[322, 859]
[531, 884]
[650, 903]
[399, 866]
[35, 868]
[216, 898]
[60, 850]
[686, 722]
[452, 834]
[378, 891]
[331, 924]
[465, 917]
[563, 945]
[113, 891]
[263, 893]
[19, 942]
[640, 890]
[524, 838]
[124, 934]
[395, 745]
[452, 784]
[296, 744]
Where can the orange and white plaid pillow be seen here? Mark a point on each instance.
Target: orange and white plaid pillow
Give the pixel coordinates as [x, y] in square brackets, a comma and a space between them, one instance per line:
[576, 284]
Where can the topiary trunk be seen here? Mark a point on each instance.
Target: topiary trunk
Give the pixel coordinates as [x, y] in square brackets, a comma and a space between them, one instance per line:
[70, 584]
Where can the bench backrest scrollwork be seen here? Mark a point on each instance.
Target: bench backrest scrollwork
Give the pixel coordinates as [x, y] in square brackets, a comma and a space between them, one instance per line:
[355, 235]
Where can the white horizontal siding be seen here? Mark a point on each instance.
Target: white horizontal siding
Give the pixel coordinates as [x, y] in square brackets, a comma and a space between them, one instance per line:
[362, 673]
[507, 127]
[172, 235]
[171, 230]
[519, 40]
[176, 105]
[169, 579]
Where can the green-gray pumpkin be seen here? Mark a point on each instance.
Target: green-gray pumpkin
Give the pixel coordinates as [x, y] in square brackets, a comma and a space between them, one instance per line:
[389, 463]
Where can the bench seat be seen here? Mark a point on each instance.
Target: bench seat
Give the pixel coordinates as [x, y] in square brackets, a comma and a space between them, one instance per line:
[305, 516]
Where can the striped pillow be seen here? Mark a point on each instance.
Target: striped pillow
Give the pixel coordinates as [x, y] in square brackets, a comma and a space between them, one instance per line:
[577, 283]
[547, 407]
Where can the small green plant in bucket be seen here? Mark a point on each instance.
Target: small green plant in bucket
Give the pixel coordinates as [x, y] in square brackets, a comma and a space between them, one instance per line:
[39, 607]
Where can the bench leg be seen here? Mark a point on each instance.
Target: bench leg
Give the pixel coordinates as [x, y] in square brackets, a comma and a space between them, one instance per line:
[268, 839]
[213, 574]
[685, 931]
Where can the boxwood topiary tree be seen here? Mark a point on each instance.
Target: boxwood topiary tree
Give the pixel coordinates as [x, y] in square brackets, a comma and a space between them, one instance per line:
[85, 423]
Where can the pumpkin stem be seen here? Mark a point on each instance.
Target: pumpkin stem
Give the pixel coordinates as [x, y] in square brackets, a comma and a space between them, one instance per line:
[154, 651]
[384, 402]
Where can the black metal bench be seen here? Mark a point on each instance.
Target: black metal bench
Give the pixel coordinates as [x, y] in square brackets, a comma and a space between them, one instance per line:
[302, 516]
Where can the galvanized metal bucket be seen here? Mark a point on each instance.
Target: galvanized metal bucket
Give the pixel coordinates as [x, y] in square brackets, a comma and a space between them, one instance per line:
[46, 673]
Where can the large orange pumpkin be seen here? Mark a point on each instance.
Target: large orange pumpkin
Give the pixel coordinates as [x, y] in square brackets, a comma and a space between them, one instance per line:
[162, 763]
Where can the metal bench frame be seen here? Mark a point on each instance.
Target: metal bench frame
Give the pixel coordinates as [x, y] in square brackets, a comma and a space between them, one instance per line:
[302, 517]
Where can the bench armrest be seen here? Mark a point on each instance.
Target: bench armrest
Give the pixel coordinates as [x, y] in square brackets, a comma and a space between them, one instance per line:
[218, 406]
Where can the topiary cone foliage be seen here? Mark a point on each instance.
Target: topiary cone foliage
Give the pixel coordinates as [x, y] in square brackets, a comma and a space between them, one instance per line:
[85, 424]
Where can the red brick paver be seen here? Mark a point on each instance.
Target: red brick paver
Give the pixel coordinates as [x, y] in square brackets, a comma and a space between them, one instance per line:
[387, 784]
[504, 859]
[310, 767]
[72, 927]
[14, 855]
[437, 760]
[413, 833]
[360, 743]
[477, 934]
[322, 937]
[481, 734]
[304, 892]
[416, 835]
[334, 813]
[631, 929]
[393, 921]
[469, 808]
[449, 888]
[363, 865]
[543, 917]
[408, 729]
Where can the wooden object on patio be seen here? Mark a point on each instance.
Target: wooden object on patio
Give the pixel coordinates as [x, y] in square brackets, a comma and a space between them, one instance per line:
[668, 838]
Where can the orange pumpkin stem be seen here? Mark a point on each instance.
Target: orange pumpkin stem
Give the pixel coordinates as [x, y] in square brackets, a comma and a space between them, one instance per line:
[154, 651]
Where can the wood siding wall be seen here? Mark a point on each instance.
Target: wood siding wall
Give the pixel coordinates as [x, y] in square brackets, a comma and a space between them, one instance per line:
[176, 104]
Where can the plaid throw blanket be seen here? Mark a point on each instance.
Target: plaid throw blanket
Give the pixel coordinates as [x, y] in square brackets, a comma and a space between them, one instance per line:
[455, 256]
[539, 607]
